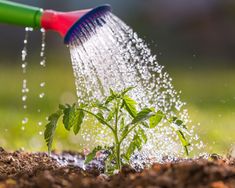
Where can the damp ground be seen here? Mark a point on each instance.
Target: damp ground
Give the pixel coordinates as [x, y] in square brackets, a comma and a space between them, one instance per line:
[20, 169]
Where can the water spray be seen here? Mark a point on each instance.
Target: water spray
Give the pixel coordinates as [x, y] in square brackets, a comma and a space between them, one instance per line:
[67, 24]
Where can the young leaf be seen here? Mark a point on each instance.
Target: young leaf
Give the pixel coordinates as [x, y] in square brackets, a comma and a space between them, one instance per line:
[99, 116]
[124, 131]
[110, 115]
[130, 105]
[92, 155]
[100, 105]
[109, 99]
[156, 119]
[180, 123]
[77, 125]
[142, 134]
[122, 124]
[62, 107]
[142, 115]
[70, 116]
[50, 128]
[127, 90]
[136, 143]
[183, 141]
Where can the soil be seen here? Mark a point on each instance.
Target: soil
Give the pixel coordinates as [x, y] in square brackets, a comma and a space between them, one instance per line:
[21, 169]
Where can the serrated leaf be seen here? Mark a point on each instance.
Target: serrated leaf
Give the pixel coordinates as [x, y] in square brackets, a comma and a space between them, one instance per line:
[109, 99]
[126, 90]
[122, 123]
[136, 143]
[145, 124]
[70, 117]
[142, 135]
[92, 154]
[142, 115]
[50, 128]
[156, 119]
[110, 115]
[62, 107]
[130, 105]
[178, 122]
[77, 125]
[124, 130]
[100, 118]
[100, 106]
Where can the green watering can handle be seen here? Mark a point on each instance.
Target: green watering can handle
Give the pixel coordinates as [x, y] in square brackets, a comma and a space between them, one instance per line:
[18, 14]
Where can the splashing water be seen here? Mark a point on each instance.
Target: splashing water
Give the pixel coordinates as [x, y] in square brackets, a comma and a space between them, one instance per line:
[113, 56]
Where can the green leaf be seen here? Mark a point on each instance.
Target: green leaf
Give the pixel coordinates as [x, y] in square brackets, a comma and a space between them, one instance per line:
[136, 143]
[92, 154]
[99, 116]
[130, 105]
[100, 106]
[70, 116]
[109, 99]
[183, 141]
[110, 115]
[77, 125]
[142, 115]
[156, 119]
[126, 90]
[124, 130]
[142, 134]
[178, 122]
[122, 124]
[145, 124]
[62, 107]
[50, 128]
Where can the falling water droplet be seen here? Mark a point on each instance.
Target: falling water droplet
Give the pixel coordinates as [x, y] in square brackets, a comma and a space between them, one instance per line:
[41, 95]
[42, 84]
[24, 98]
[25, 120]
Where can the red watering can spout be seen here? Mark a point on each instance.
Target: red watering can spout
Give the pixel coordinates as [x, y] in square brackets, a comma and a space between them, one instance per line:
[61, 21]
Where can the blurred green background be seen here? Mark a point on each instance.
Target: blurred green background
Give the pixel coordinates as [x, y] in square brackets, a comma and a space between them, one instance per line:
[194, 40]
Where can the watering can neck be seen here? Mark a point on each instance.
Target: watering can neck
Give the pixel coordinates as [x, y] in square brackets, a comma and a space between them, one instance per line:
[18, 14]
[29, 16]
[60, 21]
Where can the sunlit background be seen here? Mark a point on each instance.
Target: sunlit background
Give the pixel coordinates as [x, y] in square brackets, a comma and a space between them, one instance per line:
[194, 40]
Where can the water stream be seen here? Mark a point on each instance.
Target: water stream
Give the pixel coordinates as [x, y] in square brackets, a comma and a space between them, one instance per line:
[114, 56]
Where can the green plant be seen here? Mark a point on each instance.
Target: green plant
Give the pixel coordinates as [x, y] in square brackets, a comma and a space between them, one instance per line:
[119, 114]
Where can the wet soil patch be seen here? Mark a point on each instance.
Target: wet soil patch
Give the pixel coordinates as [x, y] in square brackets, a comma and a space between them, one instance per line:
[21, 169]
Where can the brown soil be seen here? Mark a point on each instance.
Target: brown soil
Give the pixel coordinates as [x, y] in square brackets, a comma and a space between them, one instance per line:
[20, 169]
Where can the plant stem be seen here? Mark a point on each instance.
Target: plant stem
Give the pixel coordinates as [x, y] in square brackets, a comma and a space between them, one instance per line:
[116, 136]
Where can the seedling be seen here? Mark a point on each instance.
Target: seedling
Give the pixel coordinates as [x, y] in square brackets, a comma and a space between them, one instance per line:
[117, 112]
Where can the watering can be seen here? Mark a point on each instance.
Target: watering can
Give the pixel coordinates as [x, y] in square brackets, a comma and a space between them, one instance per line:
[64, 23]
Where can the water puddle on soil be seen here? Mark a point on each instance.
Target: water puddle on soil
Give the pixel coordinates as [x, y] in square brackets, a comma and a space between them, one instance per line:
[113, 56]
